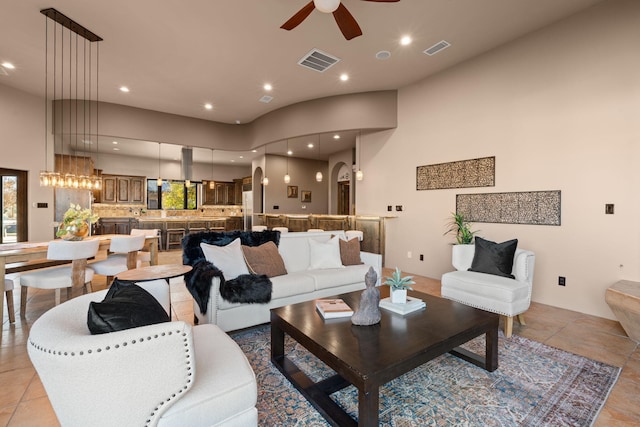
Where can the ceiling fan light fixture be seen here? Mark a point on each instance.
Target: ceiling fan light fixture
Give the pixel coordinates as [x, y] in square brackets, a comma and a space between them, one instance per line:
[326, 6]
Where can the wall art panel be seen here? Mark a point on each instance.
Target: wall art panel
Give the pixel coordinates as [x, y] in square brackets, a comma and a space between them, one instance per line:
[460, 174]
[528, 207]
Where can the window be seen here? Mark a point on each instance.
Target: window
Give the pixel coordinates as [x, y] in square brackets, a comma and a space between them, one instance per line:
[172, 195]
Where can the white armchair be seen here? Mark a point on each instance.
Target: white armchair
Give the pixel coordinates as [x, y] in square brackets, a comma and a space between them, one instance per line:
[167, 374]
[502, 295]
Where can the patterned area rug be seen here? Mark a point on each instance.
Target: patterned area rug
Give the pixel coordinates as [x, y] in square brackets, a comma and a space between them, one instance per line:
[535, 385]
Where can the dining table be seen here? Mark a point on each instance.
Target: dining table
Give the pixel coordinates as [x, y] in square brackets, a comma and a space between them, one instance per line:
[31, 255]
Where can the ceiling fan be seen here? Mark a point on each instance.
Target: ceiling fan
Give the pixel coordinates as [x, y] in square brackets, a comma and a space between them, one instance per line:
[346, 22]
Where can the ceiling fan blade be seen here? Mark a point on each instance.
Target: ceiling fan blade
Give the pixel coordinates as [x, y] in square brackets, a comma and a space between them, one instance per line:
[296, 19]
[347, 23]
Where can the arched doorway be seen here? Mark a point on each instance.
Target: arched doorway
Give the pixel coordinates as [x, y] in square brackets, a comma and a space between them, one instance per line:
[341, 188]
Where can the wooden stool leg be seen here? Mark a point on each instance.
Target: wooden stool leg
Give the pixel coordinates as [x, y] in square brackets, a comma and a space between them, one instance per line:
[521, 319]
[508, 326]
[69, 291]
[57, 296]
[88, 288]
[10, 308]
[23, 300]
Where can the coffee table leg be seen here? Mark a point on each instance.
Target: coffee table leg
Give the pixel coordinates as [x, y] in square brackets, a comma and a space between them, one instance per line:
[368, 406]
[277, 342]
[491, 351]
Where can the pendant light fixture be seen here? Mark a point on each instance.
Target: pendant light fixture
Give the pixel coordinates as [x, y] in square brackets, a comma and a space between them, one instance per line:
[70, 179]
[287, 177]
[159, 181]
[212, 184]
[319, 173]
[265, 180]
[359, 173]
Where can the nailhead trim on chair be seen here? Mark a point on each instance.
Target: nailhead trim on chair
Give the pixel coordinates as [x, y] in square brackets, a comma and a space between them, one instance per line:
[124, 344]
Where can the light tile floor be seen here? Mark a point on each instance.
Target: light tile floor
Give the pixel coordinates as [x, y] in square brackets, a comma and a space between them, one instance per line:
[24, 403]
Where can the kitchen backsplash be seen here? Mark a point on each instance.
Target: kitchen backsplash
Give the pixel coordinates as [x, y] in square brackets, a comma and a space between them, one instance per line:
[110, 210]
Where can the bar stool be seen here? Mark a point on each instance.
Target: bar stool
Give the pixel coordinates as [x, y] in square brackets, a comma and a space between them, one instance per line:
[258, 228]
[172, 233]
[281, 229]
[10, 282]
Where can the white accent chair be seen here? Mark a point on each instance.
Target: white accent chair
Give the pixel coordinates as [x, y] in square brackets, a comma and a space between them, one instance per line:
[168, 374]
[123, 257]
[502, 295]
[144, 255]
[60, 277]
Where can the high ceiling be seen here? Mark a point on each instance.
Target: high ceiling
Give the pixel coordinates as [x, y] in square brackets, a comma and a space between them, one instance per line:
[175, 56]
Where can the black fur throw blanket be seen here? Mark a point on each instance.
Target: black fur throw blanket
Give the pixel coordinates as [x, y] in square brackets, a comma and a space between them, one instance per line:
[247, 288]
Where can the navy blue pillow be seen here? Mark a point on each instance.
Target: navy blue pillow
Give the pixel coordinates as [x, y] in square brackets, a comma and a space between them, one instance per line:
[125, 306]
[494, 258]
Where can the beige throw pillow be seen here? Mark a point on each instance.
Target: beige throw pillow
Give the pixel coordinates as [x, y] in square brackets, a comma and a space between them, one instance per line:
[264, 259]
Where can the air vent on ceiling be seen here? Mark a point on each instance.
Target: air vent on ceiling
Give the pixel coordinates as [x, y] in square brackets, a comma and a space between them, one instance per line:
[441, 45]
[266, 99]
[318, 60]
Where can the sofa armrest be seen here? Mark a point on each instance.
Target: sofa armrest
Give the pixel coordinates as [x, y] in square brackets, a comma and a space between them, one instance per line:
[76, 367]
[211, 315]
[375, 261]
[523, 265]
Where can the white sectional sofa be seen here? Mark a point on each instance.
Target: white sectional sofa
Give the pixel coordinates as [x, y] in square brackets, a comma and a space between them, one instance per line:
[299, 284]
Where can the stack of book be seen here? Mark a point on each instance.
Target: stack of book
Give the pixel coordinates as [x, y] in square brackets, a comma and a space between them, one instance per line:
[333, 308]
[412, 304]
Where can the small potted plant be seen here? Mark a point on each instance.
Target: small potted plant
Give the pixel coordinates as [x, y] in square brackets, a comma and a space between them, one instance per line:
[399, 286]
[75, 223]
[461, 228]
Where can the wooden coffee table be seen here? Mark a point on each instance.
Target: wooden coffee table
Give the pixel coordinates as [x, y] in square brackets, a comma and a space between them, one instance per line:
[370, 356]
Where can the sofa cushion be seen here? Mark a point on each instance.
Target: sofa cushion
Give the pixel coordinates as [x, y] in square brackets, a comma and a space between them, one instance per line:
[334, 277]
[225, 385]
[494, 258]
[350, 251]
[264, 259]
[292, 284]
[227, 258]
[484, 285]
[125, 306]
[324, 254]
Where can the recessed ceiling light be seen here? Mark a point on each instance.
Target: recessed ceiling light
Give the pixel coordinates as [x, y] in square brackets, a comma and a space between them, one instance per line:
[208, 106]
[242, 157]
[254, 151]
[237, 122]
[289, 152]
[233, 161]
[9, 65]
[114, 142]
[383, 54]
[116, 149]
[267, 87]
[310, 145]
[124, 89]
[336, 136]
[344, 77]
[405, 41]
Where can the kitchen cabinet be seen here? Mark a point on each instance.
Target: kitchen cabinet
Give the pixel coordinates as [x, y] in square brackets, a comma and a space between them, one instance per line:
[220, 193]
[123, 189]
[115, 225]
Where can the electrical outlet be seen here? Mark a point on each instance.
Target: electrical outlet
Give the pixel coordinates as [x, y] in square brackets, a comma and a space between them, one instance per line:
[399, 208]
[409, 254]
[608, 209]
[389, 208]
[421, 257]
[276, 207]
[562, 281]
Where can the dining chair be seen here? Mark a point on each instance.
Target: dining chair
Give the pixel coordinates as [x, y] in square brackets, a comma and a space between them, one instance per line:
[145, 255]
[10, 282]
[61, 277]
[123, 256]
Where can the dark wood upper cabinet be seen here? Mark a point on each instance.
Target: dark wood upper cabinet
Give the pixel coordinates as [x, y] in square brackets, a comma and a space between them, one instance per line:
[123, 189]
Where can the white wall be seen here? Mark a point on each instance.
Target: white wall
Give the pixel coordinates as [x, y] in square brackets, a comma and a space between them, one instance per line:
[559, 110]
[22, 143]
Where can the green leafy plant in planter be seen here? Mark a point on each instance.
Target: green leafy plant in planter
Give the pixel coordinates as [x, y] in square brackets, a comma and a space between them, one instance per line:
[75, 223]
[461, 228]
[399, 286]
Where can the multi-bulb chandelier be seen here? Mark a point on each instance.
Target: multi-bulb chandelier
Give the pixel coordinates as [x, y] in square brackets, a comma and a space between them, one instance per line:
[73, 67]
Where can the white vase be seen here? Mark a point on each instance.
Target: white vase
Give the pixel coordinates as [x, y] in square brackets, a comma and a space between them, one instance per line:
[399, 296]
